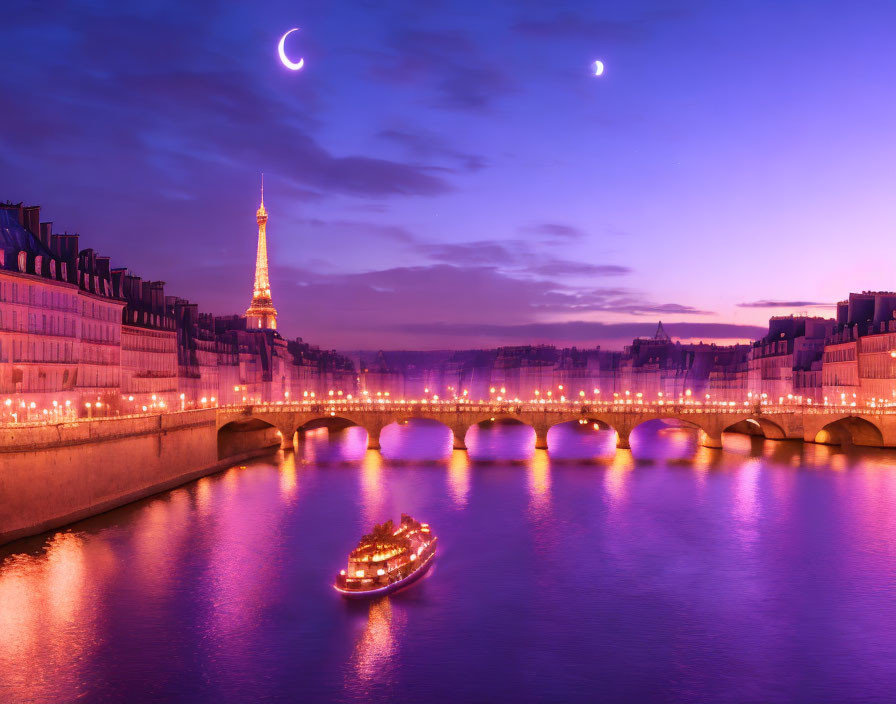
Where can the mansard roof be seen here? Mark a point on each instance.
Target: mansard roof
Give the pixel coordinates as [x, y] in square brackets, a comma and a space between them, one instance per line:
[14, 238]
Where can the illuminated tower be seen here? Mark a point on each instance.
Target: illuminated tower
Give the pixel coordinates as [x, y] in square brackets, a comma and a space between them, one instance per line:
[261, 314]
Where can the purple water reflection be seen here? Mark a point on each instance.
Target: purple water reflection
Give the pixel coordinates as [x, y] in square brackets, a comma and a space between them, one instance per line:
[331, 446]
[761, 573]
[418, 439]
[500, 441]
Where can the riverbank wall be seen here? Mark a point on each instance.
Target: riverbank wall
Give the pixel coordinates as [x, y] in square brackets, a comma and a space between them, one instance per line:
[55, 474]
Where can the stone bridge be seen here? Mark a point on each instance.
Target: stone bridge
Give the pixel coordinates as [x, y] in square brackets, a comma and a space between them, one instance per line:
[875, 427]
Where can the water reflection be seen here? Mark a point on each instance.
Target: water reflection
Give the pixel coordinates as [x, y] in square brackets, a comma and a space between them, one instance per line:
[43, 603]
[500, 441]
[540, 485]
[289, 481]
[667, 440]
[417, 439]
[459, 477]
[372, 495]
[781, 556]
[375, 652]
[332, 446]
[581, 441]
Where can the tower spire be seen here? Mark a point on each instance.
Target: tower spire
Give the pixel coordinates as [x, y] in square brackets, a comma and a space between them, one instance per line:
[261, 314]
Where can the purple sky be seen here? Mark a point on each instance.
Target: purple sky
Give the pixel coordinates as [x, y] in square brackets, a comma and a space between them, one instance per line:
[449, 174]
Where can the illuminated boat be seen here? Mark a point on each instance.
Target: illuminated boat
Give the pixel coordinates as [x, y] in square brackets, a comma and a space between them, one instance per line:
[388, 559]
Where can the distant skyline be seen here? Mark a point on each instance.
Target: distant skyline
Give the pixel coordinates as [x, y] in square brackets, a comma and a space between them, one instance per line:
[453, 176]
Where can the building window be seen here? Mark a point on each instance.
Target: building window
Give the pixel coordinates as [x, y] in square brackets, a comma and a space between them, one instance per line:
[23, 260]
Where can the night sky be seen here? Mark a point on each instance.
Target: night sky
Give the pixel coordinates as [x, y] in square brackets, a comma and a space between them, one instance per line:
[451, 175]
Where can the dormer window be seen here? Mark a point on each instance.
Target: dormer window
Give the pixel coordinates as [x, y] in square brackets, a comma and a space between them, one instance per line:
[23, 261]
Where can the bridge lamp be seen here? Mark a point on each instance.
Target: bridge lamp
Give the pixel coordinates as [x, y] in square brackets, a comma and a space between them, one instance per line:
[537, 392]
[581, 393]
[153, 397]
[687, 392]
[8, 402]
[87, 405]
[68, 403]
[893, 353]
[55, 404]
[503, 390]
[491, 390]
[550, 393]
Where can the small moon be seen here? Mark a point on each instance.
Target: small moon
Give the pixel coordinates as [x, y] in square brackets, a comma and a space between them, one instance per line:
[597, 67]
[295, 66]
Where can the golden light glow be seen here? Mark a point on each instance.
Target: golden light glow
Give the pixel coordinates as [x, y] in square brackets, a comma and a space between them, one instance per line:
[261, 313]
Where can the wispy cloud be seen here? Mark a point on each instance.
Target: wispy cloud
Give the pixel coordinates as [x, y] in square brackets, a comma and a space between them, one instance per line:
[575, 331]
[784, 304]
[556, 230]
[449, 63]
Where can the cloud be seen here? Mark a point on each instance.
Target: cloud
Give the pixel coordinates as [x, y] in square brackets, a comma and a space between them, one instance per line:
[784, 304]
[574, 25]
[429, 145]
[556, 230]
[357, 228]
[578, 330]
[565, 267]
[101, 117]
[518, 257]
[449, 63]
[565, 24]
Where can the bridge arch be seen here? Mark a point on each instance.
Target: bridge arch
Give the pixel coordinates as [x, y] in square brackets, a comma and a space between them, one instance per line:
[440, 437]
[591, 434]
[756, 425]
[708, 435]
[487, 451]
[339, 421]
[850, 430]
[242, 436]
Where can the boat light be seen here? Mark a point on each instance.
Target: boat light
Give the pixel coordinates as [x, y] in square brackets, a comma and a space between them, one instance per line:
[381, 572]
[359, 573]
[342, 572]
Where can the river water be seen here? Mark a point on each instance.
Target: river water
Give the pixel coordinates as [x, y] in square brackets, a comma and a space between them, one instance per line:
[670, 573]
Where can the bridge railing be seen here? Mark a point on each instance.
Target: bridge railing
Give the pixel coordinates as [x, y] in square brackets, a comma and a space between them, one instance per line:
[336, 406]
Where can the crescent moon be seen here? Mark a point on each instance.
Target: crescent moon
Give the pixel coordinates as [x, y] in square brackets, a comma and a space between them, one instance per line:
[598, 67]
[283, 57]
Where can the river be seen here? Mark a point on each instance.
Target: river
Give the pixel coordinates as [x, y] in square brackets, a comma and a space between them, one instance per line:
[670, 573]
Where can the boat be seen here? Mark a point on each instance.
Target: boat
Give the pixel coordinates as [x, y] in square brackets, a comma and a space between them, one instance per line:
[387, 559]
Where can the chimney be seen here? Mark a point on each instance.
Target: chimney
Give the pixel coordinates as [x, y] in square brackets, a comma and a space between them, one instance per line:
[31, 216]
[46, 233]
